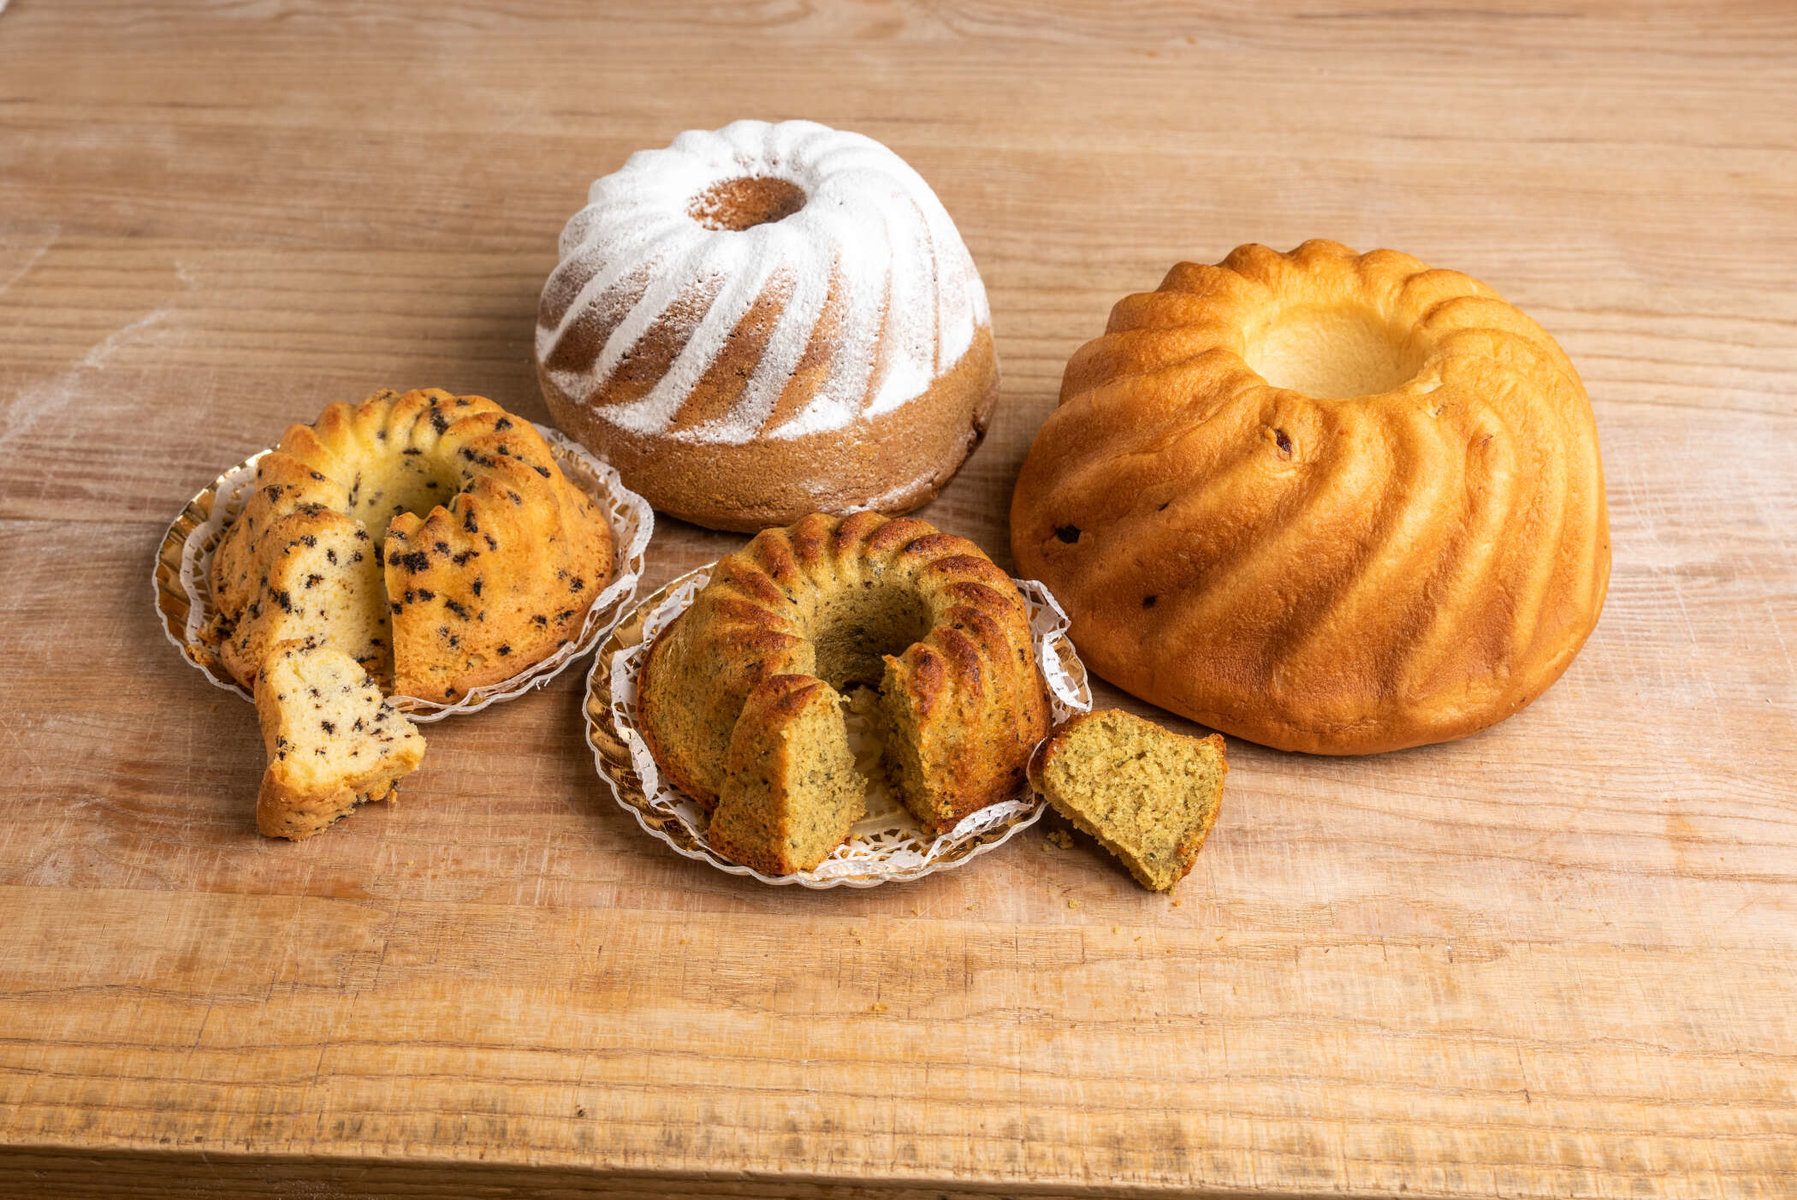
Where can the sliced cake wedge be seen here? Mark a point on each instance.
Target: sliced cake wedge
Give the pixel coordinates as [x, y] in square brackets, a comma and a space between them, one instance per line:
[1149, 796]
[791, 792]
[333, 741]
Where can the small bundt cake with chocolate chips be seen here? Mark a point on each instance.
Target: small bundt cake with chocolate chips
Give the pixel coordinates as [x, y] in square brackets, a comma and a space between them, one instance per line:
[431, 537]
[923, 616]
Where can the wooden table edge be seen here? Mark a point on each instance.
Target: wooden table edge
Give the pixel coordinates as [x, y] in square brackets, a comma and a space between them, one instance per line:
[50, 1170]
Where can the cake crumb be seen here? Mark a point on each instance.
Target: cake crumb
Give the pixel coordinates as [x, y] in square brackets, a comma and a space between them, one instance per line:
[876, 1007]
[1072, 903]
[1061, 838]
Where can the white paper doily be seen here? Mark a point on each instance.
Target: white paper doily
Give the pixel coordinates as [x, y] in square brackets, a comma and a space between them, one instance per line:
[184, 568]
[887, 845]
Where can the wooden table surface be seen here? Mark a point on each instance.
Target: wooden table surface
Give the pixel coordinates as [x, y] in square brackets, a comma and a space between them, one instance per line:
[1556, 959]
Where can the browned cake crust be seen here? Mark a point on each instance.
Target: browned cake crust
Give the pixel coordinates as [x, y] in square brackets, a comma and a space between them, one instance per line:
[432, 537]
[923, 615]
[889, 463]
[1407, 543]
[284, 811]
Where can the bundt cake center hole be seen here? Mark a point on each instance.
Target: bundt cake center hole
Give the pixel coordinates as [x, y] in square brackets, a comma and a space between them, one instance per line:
[412, 483]
[1333, 352]
[739, 204]
[854, 631]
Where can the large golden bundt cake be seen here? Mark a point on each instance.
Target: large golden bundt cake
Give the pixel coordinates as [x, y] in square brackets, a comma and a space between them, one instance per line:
[431, 537]
[924, 616]
[1328, 502]
[766, 321]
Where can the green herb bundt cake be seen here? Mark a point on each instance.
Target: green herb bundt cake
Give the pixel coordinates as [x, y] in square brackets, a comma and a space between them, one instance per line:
[924, 616]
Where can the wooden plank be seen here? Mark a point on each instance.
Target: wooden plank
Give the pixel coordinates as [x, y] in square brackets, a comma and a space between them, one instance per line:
[627, 1037]
[1559, 958]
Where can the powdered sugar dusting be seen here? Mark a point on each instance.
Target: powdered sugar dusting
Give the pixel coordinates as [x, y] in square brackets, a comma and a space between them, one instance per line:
[872, 242]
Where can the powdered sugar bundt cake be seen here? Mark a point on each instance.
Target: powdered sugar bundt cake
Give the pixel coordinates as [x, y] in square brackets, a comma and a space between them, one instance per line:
[431, 537]
[766, 321]
[1329, 502]
[864, 599]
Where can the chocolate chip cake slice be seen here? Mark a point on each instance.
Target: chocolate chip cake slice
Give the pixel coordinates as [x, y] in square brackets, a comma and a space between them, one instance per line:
[1148, 795]
[333, 741]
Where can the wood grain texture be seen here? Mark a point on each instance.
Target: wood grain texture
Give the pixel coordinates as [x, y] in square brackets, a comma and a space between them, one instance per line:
[1556, 959]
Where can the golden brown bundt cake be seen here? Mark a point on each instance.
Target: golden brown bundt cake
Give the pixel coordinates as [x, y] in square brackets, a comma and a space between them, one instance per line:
[333, 741]
[1324, 501]
[1150, 796]
[863, 599]
[791, 793]
[431, 537]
